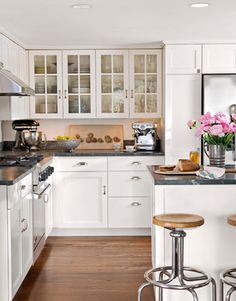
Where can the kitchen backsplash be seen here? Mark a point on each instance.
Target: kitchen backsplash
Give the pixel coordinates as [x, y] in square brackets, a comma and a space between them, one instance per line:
[54, 127]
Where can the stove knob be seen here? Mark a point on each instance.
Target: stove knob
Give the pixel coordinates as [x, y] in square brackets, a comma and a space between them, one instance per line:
[44, 176]
[51, 170]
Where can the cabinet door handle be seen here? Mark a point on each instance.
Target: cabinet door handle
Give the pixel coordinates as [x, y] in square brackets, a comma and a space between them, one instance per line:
[136, 163]
[132, 93]
[23, 187]
[81, 164]
[59, 94]
[104, 190]
[135, 178]
[45, 198]
[136, 204]
[65, 94]
[126, 93]
[25, 222]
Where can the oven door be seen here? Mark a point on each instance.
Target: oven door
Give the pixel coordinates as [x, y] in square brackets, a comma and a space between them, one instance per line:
[40, 198]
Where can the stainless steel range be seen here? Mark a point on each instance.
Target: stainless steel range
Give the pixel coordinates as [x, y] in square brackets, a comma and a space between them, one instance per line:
[42, 194]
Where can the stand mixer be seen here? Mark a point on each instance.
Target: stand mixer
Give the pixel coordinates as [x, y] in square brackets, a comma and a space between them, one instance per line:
[145, 136]
[27, 137]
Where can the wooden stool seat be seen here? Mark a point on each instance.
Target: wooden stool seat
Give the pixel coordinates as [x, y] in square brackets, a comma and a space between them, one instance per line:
[178, 220]
[232, 220]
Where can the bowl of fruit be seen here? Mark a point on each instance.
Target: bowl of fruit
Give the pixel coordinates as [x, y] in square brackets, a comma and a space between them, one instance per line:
[65, 143]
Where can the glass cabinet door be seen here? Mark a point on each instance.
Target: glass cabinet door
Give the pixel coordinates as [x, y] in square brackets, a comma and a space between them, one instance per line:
[79, 79]
[145, 83]
[112, 83]
[47, 83]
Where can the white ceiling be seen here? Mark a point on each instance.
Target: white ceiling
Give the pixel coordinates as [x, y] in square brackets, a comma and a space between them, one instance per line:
[50, 23]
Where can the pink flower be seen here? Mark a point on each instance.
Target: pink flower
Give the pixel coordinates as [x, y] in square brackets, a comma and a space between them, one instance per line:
[222, 117]
[226, 128]
[199, 131]
[216, 130]
[234, 117]
[232, 128]
[191, 123]
[207, 119]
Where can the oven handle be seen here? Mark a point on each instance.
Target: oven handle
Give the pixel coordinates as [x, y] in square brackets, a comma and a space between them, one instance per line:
[39, 195]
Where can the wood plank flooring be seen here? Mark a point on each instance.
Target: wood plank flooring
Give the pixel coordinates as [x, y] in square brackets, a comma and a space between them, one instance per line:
[89, 269]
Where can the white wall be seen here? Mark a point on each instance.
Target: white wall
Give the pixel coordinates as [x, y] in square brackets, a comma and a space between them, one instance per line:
[55, 127]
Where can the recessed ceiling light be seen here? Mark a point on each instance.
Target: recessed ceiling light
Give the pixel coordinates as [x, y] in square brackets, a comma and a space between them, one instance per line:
[81, 6]
[199, 5]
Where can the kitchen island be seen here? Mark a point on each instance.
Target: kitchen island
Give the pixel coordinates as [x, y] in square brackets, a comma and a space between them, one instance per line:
[211, 247]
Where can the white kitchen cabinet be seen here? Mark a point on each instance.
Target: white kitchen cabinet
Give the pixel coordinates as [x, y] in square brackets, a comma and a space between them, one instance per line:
[129, 191]
[145, 83]
[14, 59]
[112, 83]
[129, 83]
[183, 59]
[79, 83]
[133, 183]
[80, 192]
[126, 212]
[219, 58]
[20, 240]
[15, 259]
[182, 103]
[46, 80]
[81, 200]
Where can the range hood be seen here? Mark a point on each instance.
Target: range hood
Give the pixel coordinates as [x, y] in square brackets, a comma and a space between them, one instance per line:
[10, 85]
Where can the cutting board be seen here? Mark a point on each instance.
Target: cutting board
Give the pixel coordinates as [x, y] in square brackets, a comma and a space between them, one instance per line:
[98, 131]
[175, 172]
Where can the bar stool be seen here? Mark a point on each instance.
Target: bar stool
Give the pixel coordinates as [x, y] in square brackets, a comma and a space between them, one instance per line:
[176, 223]
[228, 277]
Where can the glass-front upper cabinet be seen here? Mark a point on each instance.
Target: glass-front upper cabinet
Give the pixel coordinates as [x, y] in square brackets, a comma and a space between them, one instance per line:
[46, 80]
[112, 83]
[145, 83]
[79, 83]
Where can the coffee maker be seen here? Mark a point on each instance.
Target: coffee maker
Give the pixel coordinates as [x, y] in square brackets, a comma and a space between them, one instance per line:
[25, 126]
[145, 135]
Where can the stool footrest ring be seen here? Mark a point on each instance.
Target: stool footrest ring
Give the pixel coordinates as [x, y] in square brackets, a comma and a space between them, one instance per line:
[203, 279]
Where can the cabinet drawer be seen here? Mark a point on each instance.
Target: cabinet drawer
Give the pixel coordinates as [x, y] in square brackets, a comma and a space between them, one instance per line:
[19, 190]
[80, 164]
[133, 162]
[129, 183]
[25, 185]
[129, 213]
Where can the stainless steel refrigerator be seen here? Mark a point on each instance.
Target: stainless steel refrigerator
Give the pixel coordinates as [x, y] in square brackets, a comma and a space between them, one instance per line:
[219, 95]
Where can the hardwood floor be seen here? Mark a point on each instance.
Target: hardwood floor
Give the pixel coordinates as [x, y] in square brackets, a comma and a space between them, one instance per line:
[89, 269]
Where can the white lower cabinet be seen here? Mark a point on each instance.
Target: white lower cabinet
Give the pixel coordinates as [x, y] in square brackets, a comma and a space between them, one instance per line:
[81, 200]
[129, 183]
[102, 193]
[20, 236]
[129, 212]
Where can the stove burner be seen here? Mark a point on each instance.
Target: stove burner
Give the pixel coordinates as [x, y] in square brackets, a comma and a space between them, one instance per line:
[12, 160]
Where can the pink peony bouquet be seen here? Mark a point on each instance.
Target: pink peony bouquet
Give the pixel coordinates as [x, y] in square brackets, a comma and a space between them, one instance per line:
[218, 129]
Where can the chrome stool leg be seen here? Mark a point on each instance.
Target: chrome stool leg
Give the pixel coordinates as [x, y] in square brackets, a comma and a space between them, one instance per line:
[140, 290]
[227, 277]
[177, 272]
[229, 293]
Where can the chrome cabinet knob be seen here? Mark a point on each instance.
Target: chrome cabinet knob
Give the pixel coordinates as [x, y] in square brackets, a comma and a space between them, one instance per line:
[136, 204]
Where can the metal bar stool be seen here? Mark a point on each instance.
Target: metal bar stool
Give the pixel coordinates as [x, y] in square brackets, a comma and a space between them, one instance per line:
[166, 275]
[228, 276]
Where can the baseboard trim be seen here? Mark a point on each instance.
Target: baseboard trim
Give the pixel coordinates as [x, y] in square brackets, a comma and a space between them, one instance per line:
[101, 232]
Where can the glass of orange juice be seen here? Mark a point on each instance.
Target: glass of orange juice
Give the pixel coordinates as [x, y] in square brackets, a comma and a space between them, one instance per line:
[194, 156]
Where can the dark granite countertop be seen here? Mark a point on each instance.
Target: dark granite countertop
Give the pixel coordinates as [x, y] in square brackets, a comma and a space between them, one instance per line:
[106, 153]
[13, 174]
[227, 179]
